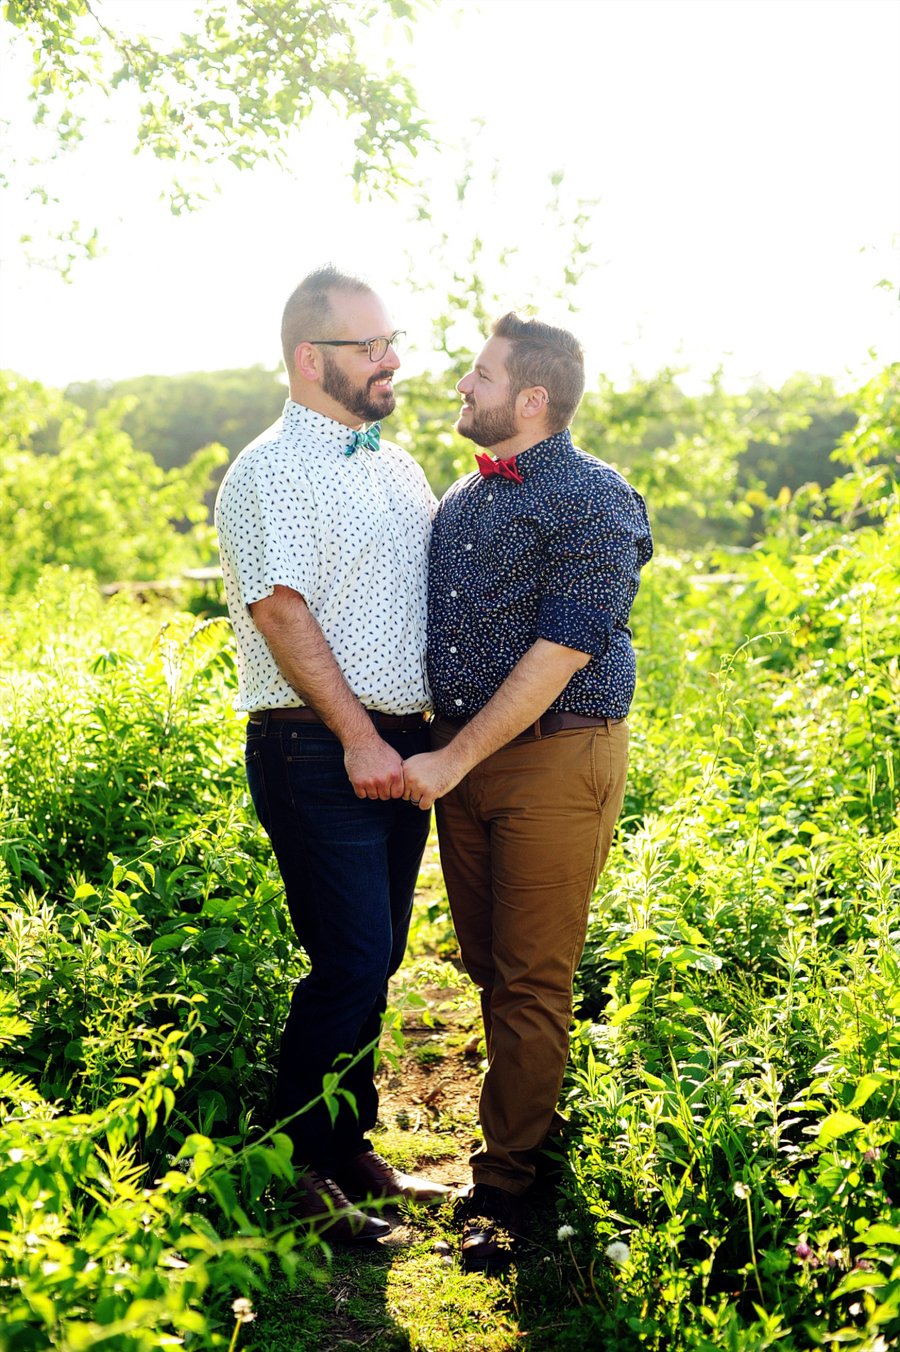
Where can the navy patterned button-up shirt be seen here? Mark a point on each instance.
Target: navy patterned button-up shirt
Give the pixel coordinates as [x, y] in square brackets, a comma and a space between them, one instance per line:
[557, 556]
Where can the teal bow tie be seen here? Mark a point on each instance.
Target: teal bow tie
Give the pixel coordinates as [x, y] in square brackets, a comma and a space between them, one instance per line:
[371, 439]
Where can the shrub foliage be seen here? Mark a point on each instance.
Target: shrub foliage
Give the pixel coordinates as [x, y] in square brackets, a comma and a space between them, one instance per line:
[733, 1086]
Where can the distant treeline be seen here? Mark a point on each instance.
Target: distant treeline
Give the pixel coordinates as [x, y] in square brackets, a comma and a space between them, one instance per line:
[119, 479]
[697, 457]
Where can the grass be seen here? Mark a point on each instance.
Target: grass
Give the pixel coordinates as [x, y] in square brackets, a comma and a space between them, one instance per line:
[408, 1151]
[401, 1293]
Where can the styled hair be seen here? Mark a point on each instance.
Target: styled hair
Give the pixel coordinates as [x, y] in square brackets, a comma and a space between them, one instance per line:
[308, 313]
[543, 355]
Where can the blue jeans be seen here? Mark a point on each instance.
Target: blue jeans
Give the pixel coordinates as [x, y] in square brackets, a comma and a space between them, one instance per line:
[349, 867]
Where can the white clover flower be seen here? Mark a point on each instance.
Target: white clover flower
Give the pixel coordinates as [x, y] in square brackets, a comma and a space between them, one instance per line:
[741, 1190]
[617, 1252]
[243, 1310]
[565, 1232]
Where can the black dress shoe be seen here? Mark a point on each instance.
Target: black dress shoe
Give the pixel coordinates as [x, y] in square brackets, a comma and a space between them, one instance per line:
[368, 1175]
[493, 1221]
[319, 1202]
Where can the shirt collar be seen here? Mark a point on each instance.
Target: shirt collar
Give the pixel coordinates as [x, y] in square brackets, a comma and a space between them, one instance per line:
[328, 433]
[544, 453]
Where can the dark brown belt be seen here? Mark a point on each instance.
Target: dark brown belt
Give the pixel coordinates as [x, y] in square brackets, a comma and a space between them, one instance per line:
[302, 714]
[547, 724]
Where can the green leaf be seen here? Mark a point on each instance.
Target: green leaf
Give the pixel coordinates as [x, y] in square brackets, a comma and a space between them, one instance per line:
[222, 1188]
[215, 939]
[858, 1281]
[835, 1125]
[881, 1234]
[193, 1144]
[693, 957]
[163, 942]
[866, 1088]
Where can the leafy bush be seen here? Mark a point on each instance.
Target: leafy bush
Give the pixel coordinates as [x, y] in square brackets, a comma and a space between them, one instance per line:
[102, 759]
[139, 761]
[734, 1079]
[97, 1249]
[92, 500]
[735, 1104]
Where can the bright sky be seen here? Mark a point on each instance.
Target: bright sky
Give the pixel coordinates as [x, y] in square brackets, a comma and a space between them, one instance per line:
[743, 155]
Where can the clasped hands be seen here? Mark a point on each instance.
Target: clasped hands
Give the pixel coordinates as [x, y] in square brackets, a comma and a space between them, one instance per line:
[376, 770]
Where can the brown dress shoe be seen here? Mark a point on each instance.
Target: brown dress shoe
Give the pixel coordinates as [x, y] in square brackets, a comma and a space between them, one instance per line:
[368, 1175]
[319, 1201]
[493, 1220]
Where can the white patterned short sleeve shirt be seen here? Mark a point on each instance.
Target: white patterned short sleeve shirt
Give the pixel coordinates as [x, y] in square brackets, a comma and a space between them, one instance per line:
[350, 534]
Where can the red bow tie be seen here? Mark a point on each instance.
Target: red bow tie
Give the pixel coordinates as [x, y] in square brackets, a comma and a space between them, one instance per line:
[489, 464]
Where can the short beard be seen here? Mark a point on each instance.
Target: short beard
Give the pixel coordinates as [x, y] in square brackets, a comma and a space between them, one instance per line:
[355, 398]
[491, 426]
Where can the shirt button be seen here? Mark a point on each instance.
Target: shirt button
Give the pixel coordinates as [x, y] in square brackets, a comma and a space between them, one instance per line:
[490, 497]
[458, 703]
[453, 593]
[468, 546]
[453, 649]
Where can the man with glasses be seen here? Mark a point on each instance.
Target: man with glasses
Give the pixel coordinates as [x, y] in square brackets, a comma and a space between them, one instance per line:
[535, 562]
[324, 531]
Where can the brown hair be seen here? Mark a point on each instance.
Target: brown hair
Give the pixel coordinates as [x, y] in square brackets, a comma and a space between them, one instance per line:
[308, 313]
[543, 355]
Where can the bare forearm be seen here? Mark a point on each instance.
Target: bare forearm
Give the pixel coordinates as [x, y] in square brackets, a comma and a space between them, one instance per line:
[307, 664]
[528, 691]
[536, 680]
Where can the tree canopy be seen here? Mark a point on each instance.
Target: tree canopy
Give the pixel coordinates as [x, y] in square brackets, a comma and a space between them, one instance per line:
[232, 89]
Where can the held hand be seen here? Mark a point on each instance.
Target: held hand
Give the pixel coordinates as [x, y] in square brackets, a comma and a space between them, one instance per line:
[428, 776]
[374, 769]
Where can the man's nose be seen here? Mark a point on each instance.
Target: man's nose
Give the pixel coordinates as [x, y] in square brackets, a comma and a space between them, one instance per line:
[464, 386]
[391, 359]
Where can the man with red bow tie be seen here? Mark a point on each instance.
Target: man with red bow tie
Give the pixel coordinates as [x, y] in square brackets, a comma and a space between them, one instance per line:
[535, 562]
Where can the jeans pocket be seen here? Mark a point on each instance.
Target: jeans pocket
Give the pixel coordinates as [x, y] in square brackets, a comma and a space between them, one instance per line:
[299, 748]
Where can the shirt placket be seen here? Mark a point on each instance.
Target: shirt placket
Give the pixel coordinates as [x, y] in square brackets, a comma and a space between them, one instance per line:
[464, 565]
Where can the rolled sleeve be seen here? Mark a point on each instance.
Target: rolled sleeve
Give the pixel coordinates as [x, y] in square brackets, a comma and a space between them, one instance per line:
[566, 621]
[591, 572]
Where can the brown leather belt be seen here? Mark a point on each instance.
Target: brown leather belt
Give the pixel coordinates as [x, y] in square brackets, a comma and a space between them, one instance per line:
[302, 714]
[547, 724]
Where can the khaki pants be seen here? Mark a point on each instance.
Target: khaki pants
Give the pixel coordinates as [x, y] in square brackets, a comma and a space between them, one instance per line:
[523, 840]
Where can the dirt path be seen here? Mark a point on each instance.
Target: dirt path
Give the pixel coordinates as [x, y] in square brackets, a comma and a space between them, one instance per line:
[400, 1294]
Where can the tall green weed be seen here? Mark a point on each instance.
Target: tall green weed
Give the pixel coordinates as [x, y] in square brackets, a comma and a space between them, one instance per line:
[98, 1248]
[735, 1080]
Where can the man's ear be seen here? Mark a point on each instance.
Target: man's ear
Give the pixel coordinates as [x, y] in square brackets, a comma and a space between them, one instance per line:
[533, 402]
[307, 362]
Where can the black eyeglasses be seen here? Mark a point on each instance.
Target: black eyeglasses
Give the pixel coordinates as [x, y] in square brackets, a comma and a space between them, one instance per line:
[377, 346]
